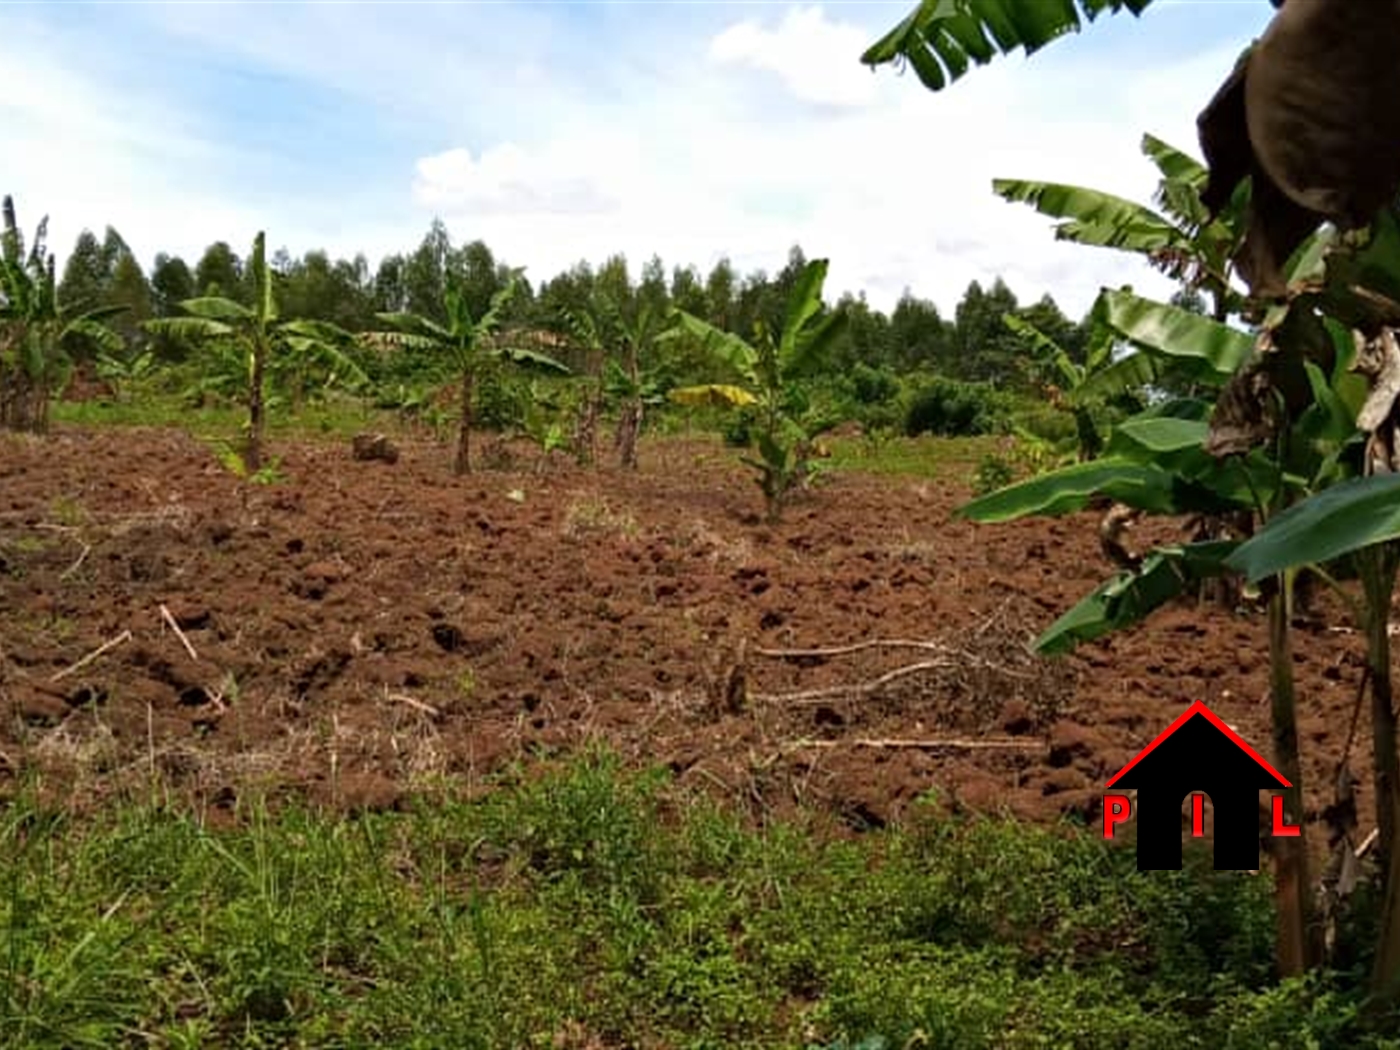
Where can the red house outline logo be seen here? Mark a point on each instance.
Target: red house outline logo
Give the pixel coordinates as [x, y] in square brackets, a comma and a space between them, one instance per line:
[1197, 753]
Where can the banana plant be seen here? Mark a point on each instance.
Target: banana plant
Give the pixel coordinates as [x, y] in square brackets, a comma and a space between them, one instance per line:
[1168, 460]
[254, 333]
[1066, 382]
[123, 371]
[592, 330]
[943, 39]
[1178, 235]
[34, 327]
[1355, 520]
[465, 344]
[769, 369]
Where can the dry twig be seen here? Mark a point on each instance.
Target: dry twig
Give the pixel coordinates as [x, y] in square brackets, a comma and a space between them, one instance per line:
[168, 618]
[416, 704]
[810, 696]
[105, 647]
[925, 745]
[855, 647]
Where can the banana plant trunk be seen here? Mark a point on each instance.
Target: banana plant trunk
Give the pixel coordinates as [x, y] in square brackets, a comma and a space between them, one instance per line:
[1298, 946]
[252, 455]
[463, 464]
[1378, 568]
[586, 428]
[629, 423]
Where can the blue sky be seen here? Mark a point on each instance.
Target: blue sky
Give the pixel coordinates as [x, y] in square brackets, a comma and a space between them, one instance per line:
[560, 131]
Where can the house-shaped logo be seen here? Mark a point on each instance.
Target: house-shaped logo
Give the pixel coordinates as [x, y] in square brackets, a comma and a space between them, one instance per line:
[1197, 753]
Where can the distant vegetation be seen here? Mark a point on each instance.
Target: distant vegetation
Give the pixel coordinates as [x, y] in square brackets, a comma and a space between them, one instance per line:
[913, 370]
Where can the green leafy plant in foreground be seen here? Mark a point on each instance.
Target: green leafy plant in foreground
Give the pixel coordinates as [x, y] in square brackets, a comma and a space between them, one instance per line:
[770, 368]
[1288, 460]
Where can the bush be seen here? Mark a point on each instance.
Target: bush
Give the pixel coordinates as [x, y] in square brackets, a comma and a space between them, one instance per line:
[950, 408]
[501, 400]
[873, 386]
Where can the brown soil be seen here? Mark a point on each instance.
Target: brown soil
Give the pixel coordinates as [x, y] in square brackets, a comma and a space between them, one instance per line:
[365, 629]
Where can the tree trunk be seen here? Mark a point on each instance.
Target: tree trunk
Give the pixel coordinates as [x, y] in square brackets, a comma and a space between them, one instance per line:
[252, 455]
[629, 422]
[463, 463]
[1378, 577]
[1298, 946]
[629, 427]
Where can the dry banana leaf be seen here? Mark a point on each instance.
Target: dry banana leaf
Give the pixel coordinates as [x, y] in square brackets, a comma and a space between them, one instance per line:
[1310, 114]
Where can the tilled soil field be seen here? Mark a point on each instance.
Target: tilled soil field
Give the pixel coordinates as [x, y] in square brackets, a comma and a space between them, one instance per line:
[362, 630]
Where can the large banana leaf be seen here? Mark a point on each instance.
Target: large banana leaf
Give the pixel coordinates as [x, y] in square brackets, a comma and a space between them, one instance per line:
[522, 356]
[189, 327]
[265, 301]
[217, 308]
[1177, 445]
[726, 346]
[413, 325]
[1092, 217]
[1165, 574]
[804, 303]
[96, 333]
[1046, 349]
[712, 394]
[1195, 347]
[813, 344]
[1347, 517]
[942, 38]
[1073, 488]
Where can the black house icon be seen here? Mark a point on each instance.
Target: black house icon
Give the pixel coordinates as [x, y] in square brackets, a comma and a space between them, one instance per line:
[1198, 752]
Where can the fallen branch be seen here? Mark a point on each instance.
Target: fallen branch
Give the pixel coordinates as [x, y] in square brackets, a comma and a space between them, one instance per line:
[810, 696]
[105, 647]
[416, 704]
[87, 549]
[950, 744]
[856, 647]
[165, 615]
[1367, 843]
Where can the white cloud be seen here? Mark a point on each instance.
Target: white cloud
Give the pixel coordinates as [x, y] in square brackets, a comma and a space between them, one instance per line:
[505, 181]
[812, 56]
[679, 152]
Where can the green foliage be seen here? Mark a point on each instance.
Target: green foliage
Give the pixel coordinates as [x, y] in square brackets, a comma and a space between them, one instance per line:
[942, 39]
[950, 408]
[35, 325]
[994, 472]
[772, 368]
[594, 904]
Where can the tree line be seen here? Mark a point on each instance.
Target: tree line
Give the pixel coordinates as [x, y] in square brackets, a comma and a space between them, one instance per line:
[973, 345]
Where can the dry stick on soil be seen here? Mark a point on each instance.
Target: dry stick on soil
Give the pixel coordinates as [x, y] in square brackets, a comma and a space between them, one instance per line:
[417, 705]
[855, 647]
[125, 636]
[924, 745]
[87, 549]
[165, 615]
[963, 655]
[812, 696]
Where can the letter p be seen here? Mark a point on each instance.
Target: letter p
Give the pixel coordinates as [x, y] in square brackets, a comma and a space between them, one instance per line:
[1116, 809]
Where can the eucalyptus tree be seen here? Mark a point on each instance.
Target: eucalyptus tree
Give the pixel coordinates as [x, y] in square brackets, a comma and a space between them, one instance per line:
[253, 333]
[464, 343]
[34, 326]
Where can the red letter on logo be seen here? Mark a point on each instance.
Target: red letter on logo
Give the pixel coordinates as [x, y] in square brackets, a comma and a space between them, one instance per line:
[1280, 828]
[1115, 811]
[1198, 815]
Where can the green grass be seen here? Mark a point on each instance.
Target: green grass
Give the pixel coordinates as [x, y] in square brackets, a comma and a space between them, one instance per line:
[943, 458]
[339, 418]
[594, 904]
